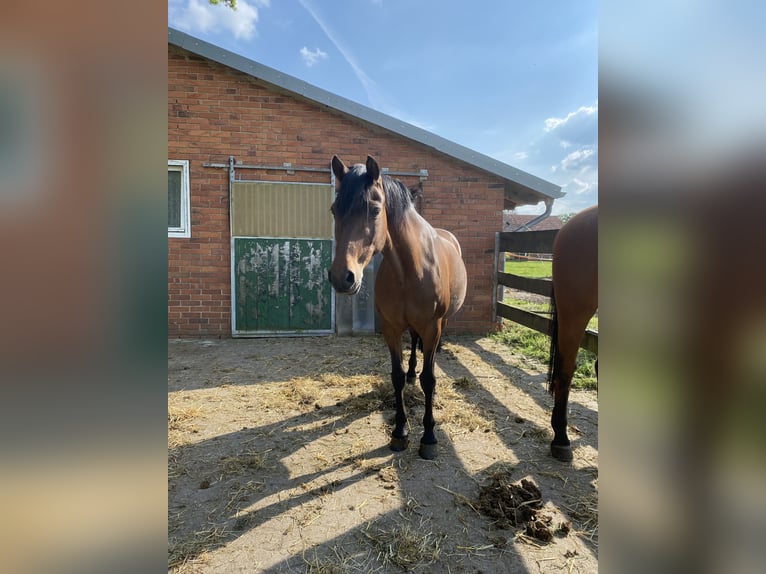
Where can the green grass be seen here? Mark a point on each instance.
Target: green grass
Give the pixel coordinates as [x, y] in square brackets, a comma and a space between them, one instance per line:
[536, 346]
[541, 308]
[535, 269]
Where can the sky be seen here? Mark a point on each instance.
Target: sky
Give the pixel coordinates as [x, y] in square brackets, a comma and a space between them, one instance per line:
[516, 80]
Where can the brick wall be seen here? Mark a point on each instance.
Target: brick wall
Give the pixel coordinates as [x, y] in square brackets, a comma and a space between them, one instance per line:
[215, 112]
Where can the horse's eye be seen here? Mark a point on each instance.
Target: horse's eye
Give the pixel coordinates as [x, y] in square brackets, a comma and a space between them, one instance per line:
[375, 211]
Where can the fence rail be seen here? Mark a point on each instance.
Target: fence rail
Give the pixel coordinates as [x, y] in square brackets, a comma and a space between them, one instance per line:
[527, 242]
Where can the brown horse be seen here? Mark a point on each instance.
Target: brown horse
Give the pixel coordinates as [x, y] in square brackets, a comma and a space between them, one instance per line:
[574, 301]
[421, 281]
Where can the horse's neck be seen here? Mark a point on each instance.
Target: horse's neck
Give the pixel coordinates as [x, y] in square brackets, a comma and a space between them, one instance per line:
[405, 248]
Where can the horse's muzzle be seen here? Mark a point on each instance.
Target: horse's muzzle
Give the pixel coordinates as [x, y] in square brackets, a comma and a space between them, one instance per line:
[347, 284]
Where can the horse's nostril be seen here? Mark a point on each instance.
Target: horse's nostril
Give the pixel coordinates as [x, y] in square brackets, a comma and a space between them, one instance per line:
[350, 278]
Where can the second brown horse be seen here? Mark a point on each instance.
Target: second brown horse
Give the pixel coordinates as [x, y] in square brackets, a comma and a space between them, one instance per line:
[574, 300]
[421, 281]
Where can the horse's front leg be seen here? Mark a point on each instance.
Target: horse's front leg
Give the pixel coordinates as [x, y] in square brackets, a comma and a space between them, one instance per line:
[400, 436]
[413, 362]
[428, 442]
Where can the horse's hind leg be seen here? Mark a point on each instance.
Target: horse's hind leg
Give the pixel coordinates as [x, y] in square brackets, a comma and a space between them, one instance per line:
[413, 363]
[560, 446]
[400, 435]
[565, 362]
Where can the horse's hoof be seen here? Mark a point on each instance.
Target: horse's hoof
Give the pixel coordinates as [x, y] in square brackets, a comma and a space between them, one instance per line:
[411, 379]
[427, 451]
[399, 444]
[561, 452]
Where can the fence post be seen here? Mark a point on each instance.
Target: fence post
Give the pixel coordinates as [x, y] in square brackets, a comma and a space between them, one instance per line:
[495, 284]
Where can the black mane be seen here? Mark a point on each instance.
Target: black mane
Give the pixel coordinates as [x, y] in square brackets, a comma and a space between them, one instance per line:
[354, 194]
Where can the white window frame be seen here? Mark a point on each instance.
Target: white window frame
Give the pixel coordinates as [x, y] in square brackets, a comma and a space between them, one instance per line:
[185, 229]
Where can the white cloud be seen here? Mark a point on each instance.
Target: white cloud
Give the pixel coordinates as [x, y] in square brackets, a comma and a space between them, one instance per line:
[584, 111]
[565, 151]
[312, 57]
[199, 16]
[578, 159]
[570, 144]
[576, 130]
[578, 186]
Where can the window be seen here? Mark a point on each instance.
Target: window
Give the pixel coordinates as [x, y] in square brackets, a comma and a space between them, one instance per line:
[179, 221]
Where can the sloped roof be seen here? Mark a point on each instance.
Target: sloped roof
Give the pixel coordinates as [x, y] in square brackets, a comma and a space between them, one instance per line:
[521, 187]
[512, 221]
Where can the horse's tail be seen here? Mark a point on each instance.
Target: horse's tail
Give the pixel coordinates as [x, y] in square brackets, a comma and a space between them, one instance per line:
[554, 364]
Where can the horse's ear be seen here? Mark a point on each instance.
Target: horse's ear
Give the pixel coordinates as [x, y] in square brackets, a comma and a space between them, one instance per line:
[373, 169]
[338, 168]
[416, 191]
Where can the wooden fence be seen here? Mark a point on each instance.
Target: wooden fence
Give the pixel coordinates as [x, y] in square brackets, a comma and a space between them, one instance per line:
[527, 242]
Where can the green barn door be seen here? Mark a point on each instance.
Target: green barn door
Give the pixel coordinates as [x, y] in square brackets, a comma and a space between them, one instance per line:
[281, 250]
[282, 285]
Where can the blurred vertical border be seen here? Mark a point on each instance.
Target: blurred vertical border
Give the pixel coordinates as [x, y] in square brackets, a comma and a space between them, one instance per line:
[683, 287]
[83, 294]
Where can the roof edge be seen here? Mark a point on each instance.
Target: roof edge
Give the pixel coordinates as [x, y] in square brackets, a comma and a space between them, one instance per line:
[346, 106]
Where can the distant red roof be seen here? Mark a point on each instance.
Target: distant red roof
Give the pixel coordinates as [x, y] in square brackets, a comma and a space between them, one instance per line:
[512, 221]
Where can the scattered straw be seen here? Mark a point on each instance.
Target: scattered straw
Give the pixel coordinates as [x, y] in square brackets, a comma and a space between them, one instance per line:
[340, 562]
[242, 492]
[553, 475]
[584, 512]
[404, 545]
[246, 461]
[183, 554]
[465, 383]
[454, 410]
[461, 498]
[178, 416]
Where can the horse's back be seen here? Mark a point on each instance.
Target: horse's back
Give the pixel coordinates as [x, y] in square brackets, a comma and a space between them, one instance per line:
[449, 236]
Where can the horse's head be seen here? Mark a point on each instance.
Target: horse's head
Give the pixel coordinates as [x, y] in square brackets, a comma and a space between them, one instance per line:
[360, 222]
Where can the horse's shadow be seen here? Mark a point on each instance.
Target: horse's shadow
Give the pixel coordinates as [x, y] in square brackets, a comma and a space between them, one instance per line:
[421, 505]
[536, 391]
[232, 466]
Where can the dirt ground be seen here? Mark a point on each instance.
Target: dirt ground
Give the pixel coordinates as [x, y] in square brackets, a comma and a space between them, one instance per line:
[278, 461]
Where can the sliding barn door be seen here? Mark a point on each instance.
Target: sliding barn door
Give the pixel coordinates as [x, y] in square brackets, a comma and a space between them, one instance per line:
[282, 246]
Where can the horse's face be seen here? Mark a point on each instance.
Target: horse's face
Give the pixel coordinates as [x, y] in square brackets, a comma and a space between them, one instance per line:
[360, 222]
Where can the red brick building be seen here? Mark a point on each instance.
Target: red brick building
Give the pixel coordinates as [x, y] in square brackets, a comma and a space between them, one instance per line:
[244, 141]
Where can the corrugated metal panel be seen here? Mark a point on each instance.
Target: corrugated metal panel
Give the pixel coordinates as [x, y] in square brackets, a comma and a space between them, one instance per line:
[356, 314]
[266, 209]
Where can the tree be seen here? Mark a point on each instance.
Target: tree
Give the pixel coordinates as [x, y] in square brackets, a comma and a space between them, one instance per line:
[564, 217]
[230, 3]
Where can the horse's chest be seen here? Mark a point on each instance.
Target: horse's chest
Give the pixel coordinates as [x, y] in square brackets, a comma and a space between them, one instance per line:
[404, 298]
